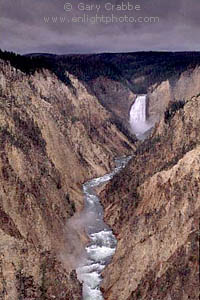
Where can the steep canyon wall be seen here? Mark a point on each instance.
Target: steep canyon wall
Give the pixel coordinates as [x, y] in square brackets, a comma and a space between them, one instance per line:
[153, 207]
[53, 138]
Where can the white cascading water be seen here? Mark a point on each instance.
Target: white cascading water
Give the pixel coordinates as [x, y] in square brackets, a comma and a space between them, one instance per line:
[102, 241]
[138, 117]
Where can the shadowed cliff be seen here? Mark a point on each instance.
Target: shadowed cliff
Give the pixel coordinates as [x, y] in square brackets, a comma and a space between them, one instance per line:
[153, 208]
[114, 78]
[63, 120]
[53, 138]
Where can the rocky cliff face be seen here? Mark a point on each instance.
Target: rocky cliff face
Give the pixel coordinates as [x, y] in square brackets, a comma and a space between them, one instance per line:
[116, 78]
[53, 137]
[174, 89]
[115, 96]
[153, 207]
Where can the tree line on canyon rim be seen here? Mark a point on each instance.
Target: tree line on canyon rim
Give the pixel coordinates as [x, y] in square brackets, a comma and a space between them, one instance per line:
[151, 67]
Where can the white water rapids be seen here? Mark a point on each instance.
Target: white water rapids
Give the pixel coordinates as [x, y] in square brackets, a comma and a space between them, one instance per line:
[102, 241]
[138, 117]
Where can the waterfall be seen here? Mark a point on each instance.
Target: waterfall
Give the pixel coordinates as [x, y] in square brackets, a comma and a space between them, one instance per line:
[138, 117]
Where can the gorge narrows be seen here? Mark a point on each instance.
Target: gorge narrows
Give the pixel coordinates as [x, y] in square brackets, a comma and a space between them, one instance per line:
[138, 117]
[102, 242]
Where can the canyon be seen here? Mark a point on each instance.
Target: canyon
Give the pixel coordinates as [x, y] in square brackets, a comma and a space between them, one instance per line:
[63, 124]
[53, 139]
[153, 207]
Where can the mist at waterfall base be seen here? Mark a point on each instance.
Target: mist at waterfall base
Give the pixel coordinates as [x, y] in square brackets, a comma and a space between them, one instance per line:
[102, 243]
[138, 118]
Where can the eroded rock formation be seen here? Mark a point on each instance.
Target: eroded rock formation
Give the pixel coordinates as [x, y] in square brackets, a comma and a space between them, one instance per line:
[153, 207]
[53, 137]
[176, 88]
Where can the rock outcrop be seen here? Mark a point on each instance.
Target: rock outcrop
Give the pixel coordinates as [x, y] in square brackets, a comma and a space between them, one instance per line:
[56, 132]
[115, 96]
[176, 88]
[53, 137]
[153, 206]
[116, 78]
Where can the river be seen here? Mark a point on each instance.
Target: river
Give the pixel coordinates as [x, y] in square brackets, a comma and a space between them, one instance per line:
[102, 243]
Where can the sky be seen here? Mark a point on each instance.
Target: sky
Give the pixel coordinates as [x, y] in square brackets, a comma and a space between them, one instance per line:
[95, 26]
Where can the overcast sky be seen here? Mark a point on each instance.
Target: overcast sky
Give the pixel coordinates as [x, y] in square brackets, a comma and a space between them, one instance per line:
[28, 26]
